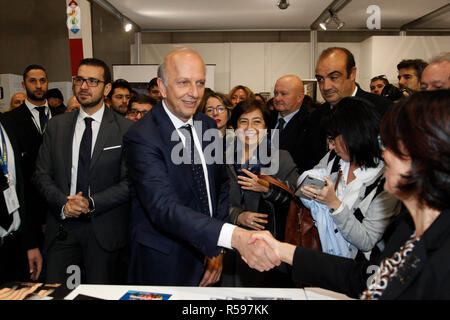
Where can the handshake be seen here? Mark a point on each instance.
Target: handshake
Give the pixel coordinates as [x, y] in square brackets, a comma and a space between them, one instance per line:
[260, 250]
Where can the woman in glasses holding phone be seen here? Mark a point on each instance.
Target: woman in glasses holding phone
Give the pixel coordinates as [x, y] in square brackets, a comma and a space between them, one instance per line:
[352, 211]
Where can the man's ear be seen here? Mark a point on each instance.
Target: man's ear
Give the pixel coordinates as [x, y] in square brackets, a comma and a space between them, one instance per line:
[353, 73]
[107, 89]
[23, 85]
[162, 88]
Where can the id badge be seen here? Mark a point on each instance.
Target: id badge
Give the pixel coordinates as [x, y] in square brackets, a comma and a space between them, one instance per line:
[11, 200]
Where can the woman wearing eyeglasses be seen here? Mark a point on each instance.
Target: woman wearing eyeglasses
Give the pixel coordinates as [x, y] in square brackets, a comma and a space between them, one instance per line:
[352, 211]
[218, 107]
[415, 263]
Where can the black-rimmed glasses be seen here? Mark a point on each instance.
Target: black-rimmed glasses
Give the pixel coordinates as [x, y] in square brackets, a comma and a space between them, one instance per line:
[91, 82]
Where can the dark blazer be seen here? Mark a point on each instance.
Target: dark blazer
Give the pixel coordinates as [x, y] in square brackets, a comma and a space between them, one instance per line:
[426, 274]
[26, 232]
[296, 139]
[318, 133]
[108, 178]
[29, 140]
[252, 200]
[169, 236]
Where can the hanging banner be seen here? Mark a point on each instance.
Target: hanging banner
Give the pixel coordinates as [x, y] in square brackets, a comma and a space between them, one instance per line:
[75, 38]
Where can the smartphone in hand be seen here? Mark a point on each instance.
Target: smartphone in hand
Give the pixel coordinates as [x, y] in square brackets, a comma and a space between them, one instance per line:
[311, 181]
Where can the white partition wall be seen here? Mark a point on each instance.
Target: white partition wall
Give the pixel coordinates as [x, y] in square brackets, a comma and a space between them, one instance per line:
[259, 65]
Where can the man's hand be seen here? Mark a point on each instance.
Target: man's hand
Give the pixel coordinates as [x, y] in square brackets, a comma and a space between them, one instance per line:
[76, 205]
[284, 250]
[213, 271]
[35, 263]
[258, 255]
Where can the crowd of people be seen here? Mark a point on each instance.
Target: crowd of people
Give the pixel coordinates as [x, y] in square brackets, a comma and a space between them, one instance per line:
[167, 187]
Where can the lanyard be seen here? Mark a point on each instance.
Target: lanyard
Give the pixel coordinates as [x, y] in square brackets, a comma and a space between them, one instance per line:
[4, 157]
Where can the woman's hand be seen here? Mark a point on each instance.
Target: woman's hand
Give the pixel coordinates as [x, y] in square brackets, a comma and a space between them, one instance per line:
[252, 220]
[285, 251]
[326, 195]
[252, 182]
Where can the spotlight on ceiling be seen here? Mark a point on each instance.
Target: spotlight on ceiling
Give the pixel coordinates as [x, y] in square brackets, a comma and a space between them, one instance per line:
[332, 18]
[325, 24]
[283, 4]
[128, 26]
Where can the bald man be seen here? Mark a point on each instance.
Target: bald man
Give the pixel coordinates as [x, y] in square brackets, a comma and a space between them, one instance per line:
[292, 120]
[436, 75]
[17, 99]
[336, 78]
[180, 210]
[72, 104]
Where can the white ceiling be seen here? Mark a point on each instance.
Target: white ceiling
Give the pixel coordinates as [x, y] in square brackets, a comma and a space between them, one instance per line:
[217, 15]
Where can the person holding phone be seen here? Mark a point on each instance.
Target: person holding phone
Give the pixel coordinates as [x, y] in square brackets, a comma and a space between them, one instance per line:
[414, 266]
[356, 205]
[254, 206]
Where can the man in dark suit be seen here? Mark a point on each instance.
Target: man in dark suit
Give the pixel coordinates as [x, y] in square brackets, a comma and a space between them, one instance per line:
[292, 121]
[81, 173]
[29, 121]
[336, 74]
[20, 258]
[179, 211]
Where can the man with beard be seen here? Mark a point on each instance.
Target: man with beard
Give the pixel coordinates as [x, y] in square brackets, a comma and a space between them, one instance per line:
[80, 171]
[119, 96]
[409, 73]
[292, 121]
[29, 122]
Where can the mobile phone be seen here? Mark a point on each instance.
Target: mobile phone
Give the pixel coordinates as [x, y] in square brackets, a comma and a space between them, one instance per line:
[311, 181]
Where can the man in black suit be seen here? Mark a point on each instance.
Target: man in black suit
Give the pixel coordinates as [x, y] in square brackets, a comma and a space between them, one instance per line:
[81, 173]
[20, 258]
[179, 210]
[28, 122]
[292, 121]
[336, 74]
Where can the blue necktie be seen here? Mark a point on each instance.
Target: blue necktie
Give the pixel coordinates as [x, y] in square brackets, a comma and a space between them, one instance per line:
[84, 159]
[196, 168]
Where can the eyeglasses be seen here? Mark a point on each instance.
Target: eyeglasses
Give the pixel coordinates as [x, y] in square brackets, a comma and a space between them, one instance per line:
[218, 109]
[91, 82]
[135, 112]
[330, 140]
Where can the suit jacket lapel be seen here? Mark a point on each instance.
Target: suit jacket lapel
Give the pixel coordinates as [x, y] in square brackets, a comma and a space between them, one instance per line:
[69, 131]
[106, 127]
[168, 132]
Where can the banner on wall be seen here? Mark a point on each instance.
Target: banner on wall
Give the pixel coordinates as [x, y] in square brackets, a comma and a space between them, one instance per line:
[75, 37]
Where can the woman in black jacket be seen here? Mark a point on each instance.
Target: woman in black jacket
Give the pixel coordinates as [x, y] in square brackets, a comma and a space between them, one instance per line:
[416, 261]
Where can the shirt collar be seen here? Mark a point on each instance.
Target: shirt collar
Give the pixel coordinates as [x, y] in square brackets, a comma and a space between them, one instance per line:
[177, 122]
[355, 91]
[32, 106]
[98, 116]
[289, 116]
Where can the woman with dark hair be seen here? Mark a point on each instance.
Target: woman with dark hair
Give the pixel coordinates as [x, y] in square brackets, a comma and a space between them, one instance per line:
[254, 206]
[352, 211]
[415, 263]
[240, 93]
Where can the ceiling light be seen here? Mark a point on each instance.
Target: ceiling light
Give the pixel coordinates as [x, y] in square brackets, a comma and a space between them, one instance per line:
[339, 23]
[332, 18]
[128, 27]
[283, 4]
